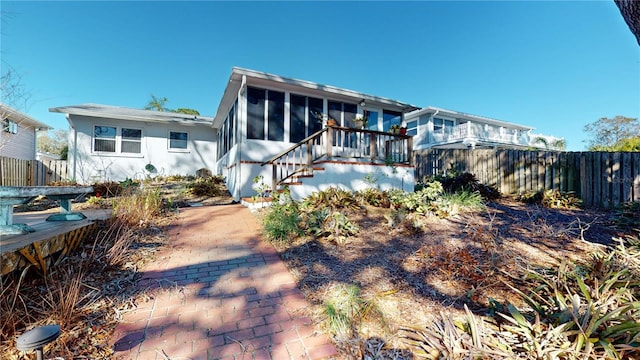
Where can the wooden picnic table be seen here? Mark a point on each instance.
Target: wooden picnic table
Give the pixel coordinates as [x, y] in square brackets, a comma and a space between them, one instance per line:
[15, 195]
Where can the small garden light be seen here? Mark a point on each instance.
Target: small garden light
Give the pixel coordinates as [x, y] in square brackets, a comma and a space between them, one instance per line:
[36, 339]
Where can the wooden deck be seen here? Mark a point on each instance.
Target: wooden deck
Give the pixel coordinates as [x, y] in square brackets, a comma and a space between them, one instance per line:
[50, 238]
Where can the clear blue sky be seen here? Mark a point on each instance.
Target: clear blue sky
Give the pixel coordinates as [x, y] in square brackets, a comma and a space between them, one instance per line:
[555, 66]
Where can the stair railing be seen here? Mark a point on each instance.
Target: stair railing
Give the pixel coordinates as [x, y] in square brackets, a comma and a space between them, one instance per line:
[340, 143]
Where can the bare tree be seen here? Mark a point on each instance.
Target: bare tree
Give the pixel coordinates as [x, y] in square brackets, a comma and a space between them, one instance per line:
[630, 10]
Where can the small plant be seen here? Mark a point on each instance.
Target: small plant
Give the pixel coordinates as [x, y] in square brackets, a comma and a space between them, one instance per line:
[554, 199]
[129, 183]
[138, 207]
[207, 186]
[453, 204]
[455, 182]
[281, 221]
[260, 187]
[346, 308]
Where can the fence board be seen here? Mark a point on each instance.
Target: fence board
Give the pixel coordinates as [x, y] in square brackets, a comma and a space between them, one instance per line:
[600, 179]
[18, 172]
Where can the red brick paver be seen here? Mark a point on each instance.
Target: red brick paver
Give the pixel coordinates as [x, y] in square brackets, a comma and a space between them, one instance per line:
[225, 295]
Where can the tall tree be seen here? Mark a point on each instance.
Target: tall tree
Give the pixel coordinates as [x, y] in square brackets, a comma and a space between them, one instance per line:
[630, 10]
[157, 104]
[606, 133]
[53, 142]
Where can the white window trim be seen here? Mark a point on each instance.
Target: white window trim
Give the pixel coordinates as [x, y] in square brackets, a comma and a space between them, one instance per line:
[118, 141]
[170, 149]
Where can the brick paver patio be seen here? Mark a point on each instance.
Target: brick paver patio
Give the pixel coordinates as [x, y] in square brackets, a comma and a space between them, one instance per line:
[226, 295]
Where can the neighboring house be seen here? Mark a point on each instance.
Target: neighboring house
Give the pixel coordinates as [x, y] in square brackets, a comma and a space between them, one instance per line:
[446, 129]
[272, 129]
[109, 143]
[18, 134]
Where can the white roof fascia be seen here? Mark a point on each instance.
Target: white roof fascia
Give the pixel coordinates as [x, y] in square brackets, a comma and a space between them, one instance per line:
[465, 116]
[123, 113]
[21, 118]
[263, 79]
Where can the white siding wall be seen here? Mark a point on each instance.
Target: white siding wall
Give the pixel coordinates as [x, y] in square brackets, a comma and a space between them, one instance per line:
[87, 166]
[19, 146]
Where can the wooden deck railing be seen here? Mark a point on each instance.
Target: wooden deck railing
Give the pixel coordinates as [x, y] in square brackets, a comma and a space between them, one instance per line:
[340, 144]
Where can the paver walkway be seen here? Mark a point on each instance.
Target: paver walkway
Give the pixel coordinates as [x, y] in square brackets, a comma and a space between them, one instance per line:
[227, 295]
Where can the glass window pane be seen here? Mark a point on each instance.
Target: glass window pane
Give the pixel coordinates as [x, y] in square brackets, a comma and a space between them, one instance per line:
[255, 113]
[178, 140]
[350, 111]
[315, 107]
[104, 132]
[372, 119]
[296, 118]
[104, 145]
[131, 147]
[276, 115]
[390, 118]
[335, 112]
[132, 134]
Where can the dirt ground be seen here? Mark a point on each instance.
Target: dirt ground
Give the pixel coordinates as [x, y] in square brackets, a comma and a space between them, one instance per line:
[426, 266]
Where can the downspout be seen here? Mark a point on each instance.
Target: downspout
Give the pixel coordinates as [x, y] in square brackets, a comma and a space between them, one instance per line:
[73, 139]
[242, 117]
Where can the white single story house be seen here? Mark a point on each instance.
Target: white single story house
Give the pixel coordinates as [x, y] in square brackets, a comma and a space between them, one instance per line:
[272, 128]
[18, 135]
[110, 143]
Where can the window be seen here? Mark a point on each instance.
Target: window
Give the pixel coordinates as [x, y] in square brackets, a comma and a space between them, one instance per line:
[131, 141]
[11, 126]
[302, 116]
[390, 118]
[104, 139]
[255, 113]
[275, 115]
[297, 118]
[108, 139]
[178, 140]
[440, 126]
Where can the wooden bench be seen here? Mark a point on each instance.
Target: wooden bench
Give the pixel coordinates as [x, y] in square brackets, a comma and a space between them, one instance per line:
[15, 195]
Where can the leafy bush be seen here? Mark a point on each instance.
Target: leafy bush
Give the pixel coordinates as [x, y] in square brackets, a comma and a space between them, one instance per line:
[107, 189]
[281, 221]
[334, 198]
[457, 182]
[554, 199]
[207, 186]
[451, 204]
[373, 197]
[420, 200]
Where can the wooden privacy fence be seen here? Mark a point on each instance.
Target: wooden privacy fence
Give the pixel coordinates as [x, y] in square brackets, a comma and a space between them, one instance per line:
[18, 172]
[600, 179]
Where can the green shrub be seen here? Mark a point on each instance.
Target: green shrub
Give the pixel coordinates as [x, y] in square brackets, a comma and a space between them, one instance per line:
[420, 200]
[281, 221]
[451, 204]
[333, 198]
